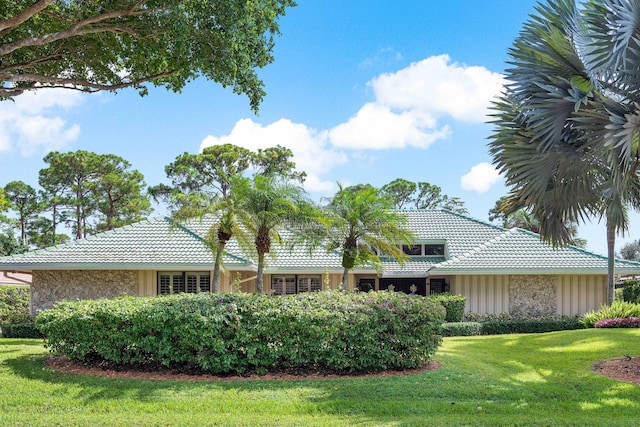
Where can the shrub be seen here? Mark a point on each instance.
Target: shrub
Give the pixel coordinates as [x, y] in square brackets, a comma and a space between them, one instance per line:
[628, 322]
[617, 310]
[14, 304]
[20, 330]
[484, 317]
[461, 329]
[239, 333]
[497, 327]
[631, 291]
[454, 304]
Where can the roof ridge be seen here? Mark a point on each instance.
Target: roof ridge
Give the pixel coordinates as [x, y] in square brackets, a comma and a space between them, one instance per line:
[192, 233]
[481, 247]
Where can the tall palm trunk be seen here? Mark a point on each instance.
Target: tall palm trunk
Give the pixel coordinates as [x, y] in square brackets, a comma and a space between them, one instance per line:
[259, 278]
[343, 285]
[216, 269]
[611, 242]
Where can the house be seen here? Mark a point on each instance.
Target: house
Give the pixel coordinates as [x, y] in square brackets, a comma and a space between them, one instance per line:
[496, 269]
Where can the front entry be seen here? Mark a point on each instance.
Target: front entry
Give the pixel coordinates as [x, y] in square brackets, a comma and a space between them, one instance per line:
[416, 286]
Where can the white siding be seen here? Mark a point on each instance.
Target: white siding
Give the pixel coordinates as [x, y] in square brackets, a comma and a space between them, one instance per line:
[484, 294]
[578, 294]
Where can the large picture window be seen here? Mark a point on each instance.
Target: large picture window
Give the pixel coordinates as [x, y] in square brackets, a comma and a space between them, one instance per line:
[175, 282]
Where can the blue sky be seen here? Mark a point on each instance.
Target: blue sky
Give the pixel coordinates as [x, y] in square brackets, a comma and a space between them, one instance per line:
[362, 92]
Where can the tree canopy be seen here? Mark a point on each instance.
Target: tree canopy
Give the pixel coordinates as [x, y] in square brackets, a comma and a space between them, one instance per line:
[113, 44]
[361, 225]
[421, 195]
[567, 126]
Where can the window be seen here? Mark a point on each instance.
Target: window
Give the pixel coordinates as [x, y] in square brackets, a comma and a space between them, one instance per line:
[283, 285]
[434, 250]
[292, 284]
[412, 250]
[179, 281]
[309, 283]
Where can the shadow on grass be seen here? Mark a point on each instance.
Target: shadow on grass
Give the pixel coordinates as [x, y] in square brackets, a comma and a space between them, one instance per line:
[532, 379]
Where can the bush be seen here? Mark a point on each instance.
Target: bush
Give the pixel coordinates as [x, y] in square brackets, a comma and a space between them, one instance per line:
[240, 333]
[497, 327]
[485, 317]
[20, 330]
[454, 304]
[617, 310]
[14, 304]
[461, 329]
[629, 322]
[631, 291]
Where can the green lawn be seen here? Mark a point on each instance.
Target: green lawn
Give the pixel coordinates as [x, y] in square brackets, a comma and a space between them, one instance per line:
[542, 379]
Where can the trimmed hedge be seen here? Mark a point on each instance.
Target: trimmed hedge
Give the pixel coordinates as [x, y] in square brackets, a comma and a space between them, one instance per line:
[627, 322]
[494, 327]
[236, 334]
[461, 329]
[631, 291]
[20, 330]
[454, 304]
[14, 304]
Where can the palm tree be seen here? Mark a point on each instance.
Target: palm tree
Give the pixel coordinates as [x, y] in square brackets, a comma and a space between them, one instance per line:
[361, 224]
[567, 131]
[269, 205]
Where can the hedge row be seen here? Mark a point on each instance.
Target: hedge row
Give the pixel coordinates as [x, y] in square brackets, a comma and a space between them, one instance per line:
[20, 330]
[498, 327]
[236, 334]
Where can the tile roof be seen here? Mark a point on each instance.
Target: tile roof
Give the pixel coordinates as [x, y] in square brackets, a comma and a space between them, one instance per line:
[472, 247]
[153, 243]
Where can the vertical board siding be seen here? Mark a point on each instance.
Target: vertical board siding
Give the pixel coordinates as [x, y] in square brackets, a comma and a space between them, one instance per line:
[578, 294]
[147, 283]
[483, 293]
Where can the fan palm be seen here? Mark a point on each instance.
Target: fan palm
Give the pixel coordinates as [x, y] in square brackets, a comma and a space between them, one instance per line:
[361, 224]
[567, 126]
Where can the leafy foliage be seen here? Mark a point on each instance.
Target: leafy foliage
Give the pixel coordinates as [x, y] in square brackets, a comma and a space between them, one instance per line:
[616, 310]
[20, 330]
[497, 327]
[109, 45]
[631, 291]
[631, 251]
[454, 304]
[361, 224]
[628, 322]
[566, 135]
[14, 304]
[422, 195]
[236, 334]
[461, 329]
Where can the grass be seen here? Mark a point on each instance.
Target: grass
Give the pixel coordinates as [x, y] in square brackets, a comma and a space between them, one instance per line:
[538, 379]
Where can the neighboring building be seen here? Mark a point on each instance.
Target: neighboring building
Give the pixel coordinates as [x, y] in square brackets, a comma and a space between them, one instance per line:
[14, 278]
[497, 270]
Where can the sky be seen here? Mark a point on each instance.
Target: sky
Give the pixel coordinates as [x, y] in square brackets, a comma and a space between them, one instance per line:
[360, 91]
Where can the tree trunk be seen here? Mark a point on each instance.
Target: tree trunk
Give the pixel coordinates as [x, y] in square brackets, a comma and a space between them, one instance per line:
[259, 282]
[216, 269]
[611, 242]
[343, 285]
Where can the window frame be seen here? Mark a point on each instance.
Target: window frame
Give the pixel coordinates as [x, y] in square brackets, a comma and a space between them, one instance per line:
[185, 281]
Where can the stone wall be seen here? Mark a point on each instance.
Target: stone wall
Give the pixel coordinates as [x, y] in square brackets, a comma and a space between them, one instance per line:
[532, 295]
[51, 286]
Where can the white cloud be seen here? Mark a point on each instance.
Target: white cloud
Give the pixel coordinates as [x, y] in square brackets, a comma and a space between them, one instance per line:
[375, 126]
[438, 87]
[405, 112]
[480, 178]
[311, 150]
[33, 123]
